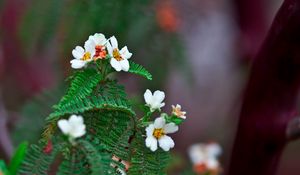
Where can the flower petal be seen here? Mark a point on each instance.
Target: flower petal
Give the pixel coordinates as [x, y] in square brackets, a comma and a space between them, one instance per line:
[78, 131]
[151, 143]
[77, 64]
[159, 122]
[98, 38]
[170, 128]
[161, 105]
[115, 64]
[64, 126]
[212, 163]
[213, 150]
[149, 130]
[125, 53]
[114, 42]
[109, 49]
[166, 142]
[89, 46]
[125, 65]
[78, 52]
[75, 120]
[159, 96]
[148, 96]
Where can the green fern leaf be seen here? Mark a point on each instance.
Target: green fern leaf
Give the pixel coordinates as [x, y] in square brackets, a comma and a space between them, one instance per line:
[146, 162]
[113, 129]
[81, 86]
[38, 162]
[139, 70]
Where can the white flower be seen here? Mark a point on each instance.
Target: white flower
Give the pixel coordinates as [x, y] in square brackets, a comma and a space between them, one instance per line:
[154, 101]
[74, 127]
[119, 60]
[157, 131]
[176, 110]
[83, 56]
[206, 155]
[213, 150]
[99, 42]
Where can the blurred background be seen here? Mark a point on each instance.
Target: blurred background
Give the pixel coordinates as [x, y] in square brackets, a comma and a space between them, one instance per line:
[199, 52]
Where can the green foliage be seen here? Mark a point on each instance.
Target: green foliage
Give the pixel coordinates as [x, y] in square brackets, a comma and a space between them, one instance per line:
[140, 70]
[113, 129]
[38, 162]
[3, 168]
[146, 162]
[83, 83]
[17, 159]
[172, 118]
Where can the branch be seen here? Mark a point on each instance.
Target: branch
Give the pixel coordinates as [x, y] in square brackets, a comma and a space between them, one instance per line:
[270, 97]
[293, 129]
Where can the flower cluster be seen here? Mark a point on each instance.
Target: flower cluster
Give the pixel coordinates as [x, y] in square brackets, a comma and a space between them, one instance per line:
[205, 158]
[96, 48]
[157, 131]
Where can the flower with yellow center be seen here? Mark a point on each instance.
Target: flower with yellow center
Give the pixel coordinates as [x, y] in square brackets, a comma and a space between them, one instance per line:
[157, 134]
[83, 55]
[119, 58]
[176, 110]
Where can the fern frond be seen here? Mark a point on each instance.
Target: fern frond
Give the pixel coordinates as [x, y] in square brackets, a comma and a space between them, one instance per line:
[146, 162]
[113, 129]
[93, 157]
[139, 70]
[73, 164]
[106, 97]
[82, 85]
[38, 162]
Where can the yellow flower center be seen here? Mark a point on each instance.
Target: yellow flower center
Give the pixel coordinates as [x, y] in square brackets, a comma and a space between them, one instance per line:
[86, 56]
[117, 55]
[158, 133]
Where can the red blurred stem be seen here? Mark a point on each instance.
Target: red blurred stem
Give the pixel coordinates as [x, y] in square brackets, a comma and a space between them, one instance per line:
[270, 97]
[251, 19]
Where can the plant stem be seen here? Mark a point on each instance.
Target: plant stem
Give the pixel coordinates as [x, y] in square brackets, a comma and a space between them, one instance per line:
[270, 97]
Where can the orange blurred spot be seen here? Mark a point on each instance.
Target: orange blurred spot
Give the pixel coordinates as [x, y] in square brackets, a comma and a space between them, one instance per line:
[167, 17]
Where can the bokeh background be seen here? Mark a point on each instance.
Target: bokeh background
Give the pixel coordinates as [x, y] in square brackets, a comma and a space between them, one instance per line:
[199, 52]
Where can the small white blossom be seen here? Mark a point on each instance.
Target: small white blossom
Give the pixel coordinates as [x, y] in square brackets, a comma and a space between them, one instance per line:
[157, 131]
[176, 110]
[154, 101]
[99, 41]
[83, 55]
[119, 60]
[206, 156]
[73, 127]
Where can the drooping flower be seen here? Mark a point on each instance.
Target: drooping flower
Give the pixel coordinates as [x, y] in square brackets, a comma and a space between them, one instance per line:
[154, 101]
[83, 55]
[99, 41]
[205, 158]
[73, 127]
[176, 110]
[119, 60]
[156, 132]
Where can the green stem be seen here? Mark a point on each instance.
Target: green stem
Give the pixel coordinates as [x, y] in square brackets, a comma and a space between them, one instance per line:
[144, 121]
